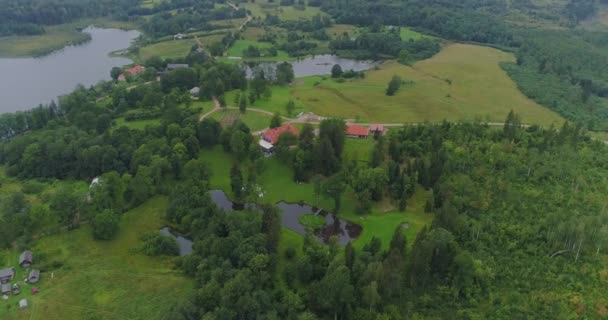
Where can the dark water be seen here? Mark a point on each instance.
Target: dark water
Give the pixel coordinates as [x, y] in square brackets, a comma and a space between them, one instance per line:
[184, 244]
[317, 65]
[344, 230]
[27, 82]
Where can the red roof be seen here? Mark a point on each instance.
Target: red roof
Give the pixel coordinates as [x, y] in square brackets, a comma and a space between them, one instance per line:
[376, 128]
[355, 130]
[135, 70]
[272, 135]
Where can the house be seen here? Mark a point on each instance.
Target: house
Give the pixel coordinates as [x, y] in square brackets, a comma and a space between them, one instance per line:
[178, 36]
[376, 129]
[265, 146]
[272, 135]
[195, 91]
[5, 289]
[131, 72]
[356, 131]
[7, 275]
[16, 289]
[34, 276]
[26, 259]
[22, 304]
[175, 66]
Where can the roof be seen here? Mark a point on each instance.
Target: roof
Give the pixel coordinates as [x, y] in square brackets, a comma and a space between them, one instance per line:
[34, 274]
[22, 303]
[272, 135]
[135, 70]
[376, 127]
[172, 66]
[195, 90]
[356, 130]
[26, 256]
[10, 272]
[265, 144]
[5, 287]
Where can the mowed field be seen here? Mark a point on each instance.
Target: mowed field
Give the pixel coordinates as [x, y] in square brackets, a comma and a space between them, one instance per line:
[102, 279]
[462, 82]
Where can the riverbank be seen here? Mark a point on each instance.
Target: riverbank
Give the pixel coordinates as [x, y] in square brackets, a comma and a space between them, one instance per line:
[55, 38]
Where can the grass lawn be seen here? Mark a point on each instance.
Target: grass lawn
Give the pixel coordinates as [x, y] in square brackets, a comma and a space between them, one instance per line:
[263, 7]
[462, 82]
[254, 120]
[167, 49]
[409, 34]
[103, 280]
[137, 124]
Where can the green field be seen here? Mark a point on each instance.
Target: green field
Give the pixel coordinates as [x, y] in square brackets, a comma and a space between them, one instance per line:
[56, 37]
[254, 120]
[262, 8]
[137, 124]
[236, 50]
[167, 49]
[103, 280]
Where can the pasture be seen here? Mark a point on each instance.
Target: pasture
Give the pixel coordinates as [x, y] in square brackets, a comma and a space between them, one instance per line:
[103, 279]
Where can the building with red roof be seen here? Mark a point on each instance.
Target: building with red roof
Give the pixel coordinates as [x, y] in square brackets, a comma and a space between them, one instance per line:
[356, 131]
[272, 135]
[131, 72]
[376, 128]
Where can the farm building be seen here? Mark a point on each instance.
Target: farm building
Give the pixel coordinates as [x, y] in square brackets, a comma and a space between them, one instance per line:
[26, 259]
[195, 91]
[356, 131]
[34, 276]
[179, 36]
[7, 275]
[272, 135]
[376, 129]
[22, 304]
[5, 289]
[131, 72]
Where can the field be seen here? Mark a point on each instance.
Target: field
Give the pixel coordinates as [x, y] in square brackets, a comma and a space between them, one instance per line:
[254, 120]
[461, 83]
[167, 49]
[56, 37]
[102, 280]
[262, 8]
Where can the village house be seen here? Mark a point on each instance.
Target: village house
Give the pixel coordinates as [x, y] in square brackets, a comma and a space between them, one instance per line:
[5, 289]
[179, 36]
[22, 304]
[270, 137]
[175, 66]
[26, 259]
[131, 72]
[195, 92]
[356, 131]
[16, 290]
[7, 275]
[376, 129]
[34, 276]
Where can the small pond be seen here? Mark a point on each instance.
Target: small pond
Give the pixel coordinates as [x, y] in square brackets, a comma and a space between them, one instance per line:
[184, 244]
[316, 65]
[345, 231]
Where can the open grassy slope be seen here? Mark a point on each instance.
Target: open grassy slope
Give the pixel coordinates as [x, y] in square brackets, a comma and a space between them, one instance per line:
[462, 82]
[103, 280]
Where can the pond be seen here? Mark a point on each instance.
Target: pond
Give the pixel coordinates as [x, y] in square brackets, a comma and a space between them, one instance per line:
[317, 65]
[184, 244]
[345, 231]
[27, 82]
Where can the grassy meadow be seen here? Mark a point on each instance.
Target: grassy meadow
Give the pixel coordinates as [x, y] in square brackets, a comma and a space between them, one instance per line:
[254, 120]
[102, 280]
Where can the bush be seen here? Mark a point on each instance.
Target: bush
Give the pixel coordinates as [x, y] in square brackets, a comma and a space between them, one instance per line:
[32, 187]
[156, 244]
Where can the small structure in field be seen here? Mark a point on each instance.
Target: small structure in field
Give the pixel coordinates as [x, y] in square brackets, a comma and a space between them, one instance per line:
[34, 276]
[16, 290]
[195, 91]
[377, 129]
[175, 66]
[5, 289]
[35, 291]
[356, 131]
[179, 36]
[22, 304]
[7, 275]
[26, 259]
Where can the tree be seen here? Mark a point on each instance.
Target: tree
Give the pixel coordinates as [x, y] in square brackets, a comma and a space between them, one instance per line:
[243, 104]
[271, 226]
[307, 137]
[66, 204]
[393, 86]
[115, 73]
[276, 121]
[284, 73]
[236, 183]
[333, 131]
[336, 71]
[290, 107]
[105, 225]
[333, 188]
[334, 293]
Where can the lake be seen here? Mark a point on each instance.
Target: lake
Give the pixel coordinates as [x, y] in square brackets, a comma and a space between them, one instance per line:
[317, 65]
[183, 244]
[27, 82]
